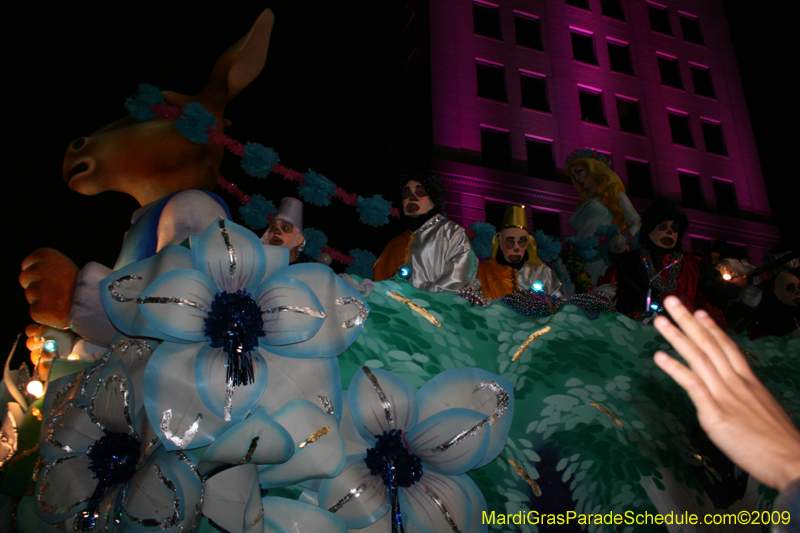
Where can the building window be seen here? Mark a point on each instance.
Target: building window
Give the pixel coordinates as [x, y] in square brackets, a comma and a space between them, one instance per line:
[583, 48]
[670, 72]
[494, 211]
[583, 4]
[629, 118]
[592, 110]
[712, 135]
[541, 162]
[701, 79]
[495, 148]
[534, 91]
[620, 57]
[726, 197]
[679, 126]
[547, 221]
[486, 20]
[690, 28]
[491, 81]
[691, 191]
[612, 8]
[640, 180]
[529, 33]
[659, 19]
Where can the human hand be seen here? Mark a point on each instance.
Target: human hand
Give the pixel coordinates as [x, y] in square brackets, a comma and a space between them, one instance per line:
[49, 278]
[734, 408]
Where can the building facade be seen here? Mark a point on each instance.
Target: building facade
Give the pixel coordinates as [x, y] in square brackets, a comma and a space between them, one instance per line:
[516, 85]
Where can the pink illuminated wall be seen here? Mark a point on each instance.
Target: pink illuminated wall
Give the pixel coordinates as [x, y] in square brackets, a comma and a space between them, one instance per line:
[459, 114]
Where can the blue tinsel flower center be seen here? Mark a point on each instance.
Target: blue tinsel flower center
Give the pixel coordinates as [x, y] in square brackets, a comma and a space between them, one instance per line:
[391, 460]
[235, 324]
[113, 458]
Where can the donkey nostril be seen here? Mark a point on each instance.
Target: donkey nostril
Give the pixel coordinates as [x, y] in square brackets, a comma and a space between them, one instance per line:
[78, 143]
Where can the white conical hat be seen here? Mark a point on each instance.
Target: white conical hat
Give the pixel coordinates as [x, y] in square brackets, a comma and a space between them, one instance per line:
[291, 211]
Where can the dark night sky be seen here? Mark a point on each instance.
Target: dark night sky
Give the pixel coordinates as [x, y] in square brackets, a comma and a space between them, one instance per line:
[327, 100]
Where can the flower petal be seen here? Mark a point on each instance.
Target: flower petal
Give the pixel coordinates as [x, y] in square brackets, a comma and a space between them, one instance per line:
[476, 389]
[231, 255]
[344, 306]
[381, 401]
[177, 304]
[165, 493]
[134, 354]
[355, 496]
[110, 400]
[172, 402]
[120, 290]
[232, 499]
[438, 503]
[258, 440]
[61, 390]
[354, 443]
[277, 258]
[210, 369]
[291, 313]
[451, 442]
[316, 380]
[63, 487]
[319, 450]
[283, 515]
[68, 430]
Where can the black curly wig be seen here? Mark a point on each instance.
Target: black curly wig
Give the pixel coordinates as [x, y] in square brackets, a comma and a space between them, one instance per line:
[658, 212]
[433, 186]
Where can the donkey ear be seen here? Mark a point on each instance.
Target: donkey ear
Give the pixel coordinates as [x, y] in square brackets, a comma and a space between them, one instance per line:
[240, 64]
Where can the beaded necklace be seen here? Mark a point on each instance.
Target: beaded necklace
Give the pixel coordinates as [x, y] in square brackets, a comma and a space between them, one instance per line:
[656, 281]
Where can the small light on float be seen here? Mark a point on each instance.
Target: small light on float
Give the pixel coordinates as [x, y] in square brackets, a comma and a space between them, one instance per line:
[73, 357]
[727, 276]
[35, 388]
[50, 346]
[405, 272]
[538, 286]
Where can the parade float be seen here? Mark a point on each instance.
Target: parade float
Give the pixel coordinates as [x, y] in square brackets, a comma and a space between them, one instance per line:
[219, 388]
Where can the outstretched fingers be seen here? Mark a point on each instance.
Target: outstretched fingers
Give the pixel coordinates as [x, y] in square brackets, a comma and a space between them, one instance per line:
[701, 365]
[688, 380]
[699, 334]
[730, 349]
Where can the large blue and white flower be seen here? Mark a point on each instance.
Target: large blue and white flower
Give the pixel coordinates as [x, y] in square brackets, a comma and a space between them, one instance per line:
[418, 450]
[225, 308]
[102, 465]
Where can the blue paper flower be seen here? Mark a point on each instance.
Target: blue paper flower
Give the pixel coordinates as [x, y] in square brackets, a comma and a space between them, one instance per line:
[482, 243]
[374, 211]
[225, 310]
[254, 213]
[195, 121]
[362, 266]
[139, 106]
[586, 247]
[419, 447]
[548, 248]
[315, 241]
[258, 159]
[97, 459]
[317, 189]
